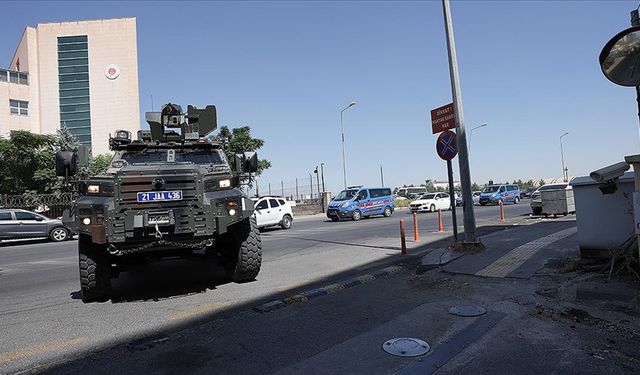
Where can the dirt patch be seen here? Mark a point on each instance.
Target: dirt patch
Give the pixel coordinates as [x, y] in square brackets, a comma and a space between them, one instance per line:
[575, 316]
[422, 282]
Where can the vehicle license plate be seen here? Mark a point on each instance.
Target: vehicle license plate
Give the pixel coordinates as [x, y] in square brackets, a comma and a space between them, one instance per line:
[159, 196]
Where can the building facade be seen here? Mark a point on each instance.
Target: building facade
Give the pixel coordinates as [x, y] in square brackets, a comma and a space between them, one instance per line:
[82, 75]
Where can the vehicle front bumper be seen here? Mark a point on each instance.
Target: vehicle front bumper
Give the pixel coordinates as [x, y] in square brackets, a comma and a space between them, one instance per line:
[421, 208]
[489, 200]
[340, 213]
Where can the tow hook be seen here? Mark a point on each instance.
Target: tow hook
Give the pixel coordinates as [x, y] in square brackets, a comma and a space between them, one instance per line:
[158, 233]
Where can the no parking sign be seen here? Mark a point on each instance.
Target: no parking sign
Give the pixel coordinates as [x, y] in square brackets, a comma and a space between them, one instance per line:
[447, 145]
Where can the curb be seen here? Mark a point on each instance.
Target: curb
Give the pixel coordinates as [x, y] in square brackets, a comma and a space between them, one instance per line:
[327, 289]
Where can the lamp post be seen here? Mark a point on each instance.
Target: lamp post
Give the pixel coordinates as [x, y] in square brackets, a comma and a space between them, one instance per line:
[322, 173]
[344, 163]
[564, 170]
[471, 133]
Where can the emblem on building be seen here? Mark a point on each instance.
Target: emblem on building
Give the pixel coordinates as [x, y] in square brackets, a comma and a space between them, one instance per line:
[112, 71]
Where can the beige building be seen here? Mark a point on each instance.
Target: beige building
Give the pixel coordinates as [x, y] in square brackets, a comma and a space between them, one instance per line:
[82, 75]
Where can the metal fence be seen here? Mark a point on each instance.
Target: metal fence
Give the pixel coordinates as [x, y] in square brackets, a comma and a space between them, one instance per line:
[302, 190]
[50, 205]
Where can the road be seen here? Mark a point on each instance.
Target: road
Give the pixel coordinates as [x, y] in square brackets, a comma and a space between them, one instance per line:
[43, 321]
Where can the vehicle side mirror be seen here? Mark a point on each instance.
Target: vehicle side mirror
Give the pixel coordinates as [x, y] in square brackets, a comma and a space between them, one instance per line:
[246, 162]
[66, 163]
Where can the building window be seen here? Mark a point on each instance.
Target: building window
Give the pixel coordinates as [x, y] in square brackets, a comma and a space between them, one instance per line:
[73, 86]
[14, 77]
[18, 107]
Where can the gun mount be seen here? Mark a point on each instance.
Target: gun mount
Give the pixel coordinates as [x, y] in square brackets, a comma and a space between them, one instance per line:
[193, 124]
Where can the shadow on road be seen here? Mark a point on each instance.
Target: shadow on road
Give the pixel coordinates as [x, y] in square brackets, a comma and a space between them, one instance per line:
[163, 280]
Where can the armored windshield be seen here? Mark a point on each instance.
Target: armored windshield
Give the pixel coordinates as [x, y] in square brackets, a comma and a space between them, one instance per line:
[160, 156]
[345, 195]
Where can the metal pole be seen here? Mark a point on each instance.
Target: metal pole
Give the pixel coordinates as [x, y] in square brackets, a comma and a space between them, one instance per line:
[297, 194]
[311, 180]
[471, 135]
[269, 188]
[344, 162]
[381, 176]
[463, 157]
[322, 172]
[282, 188]
[564, 170]
[318, 181]
[452, 199]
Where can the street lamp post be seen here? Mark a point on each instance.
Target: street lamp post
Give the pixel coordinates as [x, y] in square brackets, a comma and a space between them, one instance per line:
[565, 176]
[322, 173]
[471, 133]
[344, 163]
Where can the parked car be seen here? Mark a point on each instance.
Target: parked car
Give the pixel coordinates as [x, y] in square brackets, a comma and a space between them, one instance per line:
[536, 196]
[476, 197]
[431, 202]
[272, 211]
[500, 193]
[527, 193]
[459, 201]
[358, 202]
[16, 224]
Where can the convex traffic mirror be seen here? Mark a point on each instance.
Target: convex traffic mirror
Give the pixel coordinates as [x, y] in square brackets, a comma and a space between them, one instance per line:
[620, 58]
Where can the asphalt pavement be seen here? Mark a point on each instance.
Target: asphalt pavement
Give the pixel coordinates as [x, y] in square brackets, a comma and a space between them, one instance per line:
[45, 324]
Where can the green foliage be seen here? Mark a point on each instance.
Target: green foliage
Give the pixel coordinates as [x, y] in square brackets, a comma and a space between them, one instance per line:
[475, 187]
[27, 163]
[99, 164]
[239, 140]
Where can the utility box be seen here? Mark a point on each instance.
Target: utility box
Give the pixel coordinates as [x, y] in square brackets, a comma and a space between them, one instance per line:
[557, 202]
[604, 221]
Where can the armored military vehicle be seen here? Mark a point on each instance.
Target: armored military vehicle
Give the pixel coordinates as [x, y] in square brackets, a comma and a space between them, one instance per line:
[169, 193]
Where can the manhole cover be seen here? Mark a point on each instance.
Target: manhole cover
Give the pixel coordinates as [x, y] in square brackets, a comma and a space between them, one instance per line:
[406, 347]
[467, 310]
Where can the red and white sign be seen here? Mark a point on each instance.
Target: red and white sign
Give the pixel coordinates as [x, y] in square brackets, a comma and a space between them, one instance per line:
[443, 118]
[112, 71]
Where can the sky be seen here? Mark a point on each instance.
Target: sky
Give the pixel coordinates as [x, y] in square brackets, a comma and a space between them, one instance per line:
[529, 70]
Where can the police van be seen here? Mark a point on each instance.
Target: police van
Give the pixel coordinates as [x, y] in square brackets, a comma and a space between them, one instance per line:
[357, 202]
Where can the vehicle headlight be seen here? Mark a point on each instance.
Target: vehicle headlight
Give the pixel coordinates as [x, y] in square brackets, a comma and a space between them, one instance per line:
[224, 183]
[86, 221]
[93, 189]
[345, 205]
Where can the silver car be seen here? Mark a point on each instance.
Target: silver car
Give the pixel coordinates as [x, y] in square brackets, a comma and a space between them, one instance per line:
[26, 224]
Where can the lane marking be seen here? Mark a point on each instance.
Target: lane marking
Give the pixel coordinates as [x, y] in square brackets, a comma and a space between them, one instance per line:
[198, 310]
[516, 257]
[40, 349]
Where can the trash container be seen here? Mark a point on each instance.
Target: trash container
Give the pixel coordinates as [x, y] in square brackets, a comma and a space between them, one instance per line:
[604, 221]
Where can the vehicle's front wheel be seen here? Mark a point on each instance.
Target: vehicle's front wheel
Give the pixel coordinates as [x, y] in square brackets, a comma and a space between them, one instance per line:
[335, 219]
[245, 249]
[356, 215]
[432, 208]
[516, 200]
[387, 211]
[58, 234]
[95, 270]
[285, 223]
[483, 203]
[537, 210]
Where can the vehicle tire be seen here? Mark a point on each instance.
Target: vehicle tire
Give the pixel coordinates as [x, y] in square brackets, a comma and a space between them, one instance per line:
[335, 219]
[58, 234]
[285, 223]
[483, 203]
[537, 210]
[432, 208]
[516, 200]
[95, 270]
[356, 215]
[245, 249]
[387, 211]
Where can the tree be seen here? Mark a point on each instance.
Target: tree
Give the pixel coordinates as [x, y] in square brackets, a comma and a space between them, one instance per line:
[27, 163]
[475, 187]
[239, 140]
[99, 164]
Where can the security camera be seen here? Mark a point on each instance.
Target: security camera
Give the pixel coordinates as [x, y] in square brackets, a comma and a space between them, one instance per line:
[610, 172]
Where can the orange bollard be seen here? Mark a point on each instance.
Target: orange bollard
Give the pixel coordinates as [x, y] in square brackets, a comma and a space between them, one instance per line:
[440, 226]
[416, 231]
[501, 211]
[403, 242]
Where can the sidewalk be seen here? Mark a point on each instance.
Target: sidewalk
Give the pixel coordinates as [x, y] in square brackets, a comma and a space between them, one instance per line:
[526, 280]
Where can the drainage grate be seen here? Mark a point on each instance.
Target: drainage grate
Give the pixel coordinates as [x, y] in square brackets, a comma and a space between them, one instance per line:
[406, 347]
